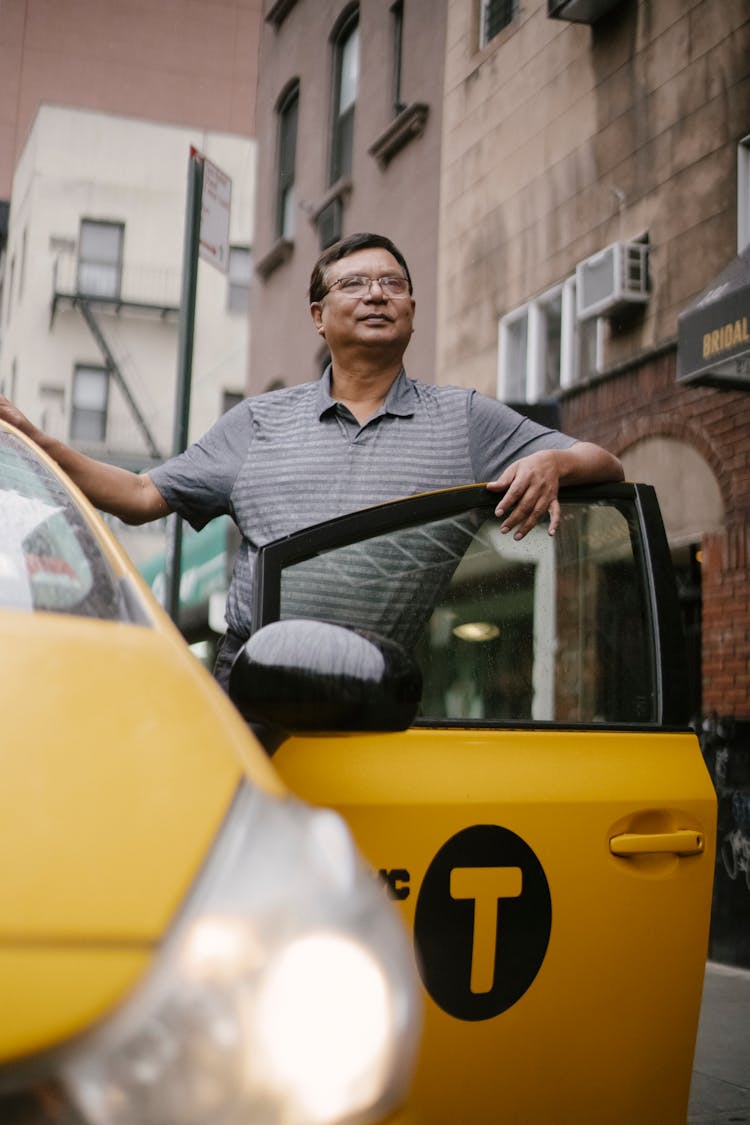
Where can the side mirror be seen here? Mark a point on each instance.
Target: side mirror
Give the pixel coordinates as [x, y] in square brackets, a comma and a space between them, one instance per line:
[306, 675]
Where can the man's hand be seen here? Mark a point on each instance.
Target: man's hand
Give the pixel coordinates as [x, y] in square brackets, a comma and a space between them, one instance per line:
[533, 482]
[133, 497]
[11, 414]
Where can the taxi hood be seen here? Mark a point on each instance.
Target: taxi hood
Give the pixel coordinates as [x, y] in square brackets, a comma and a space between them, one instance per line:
[120, 758]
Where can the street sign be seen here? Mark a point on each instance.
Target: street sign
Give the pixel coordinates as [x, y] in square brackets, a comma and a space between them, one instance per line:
[216, 199]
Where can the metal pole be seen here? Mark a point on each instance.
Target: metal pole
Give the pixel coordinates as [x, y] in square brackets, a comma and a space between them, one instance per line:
[173, 559]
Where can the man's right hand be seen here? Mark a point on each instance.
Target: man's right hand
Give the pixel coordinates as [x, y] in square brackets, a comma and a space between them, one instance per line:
[133, 497]
[11, 414]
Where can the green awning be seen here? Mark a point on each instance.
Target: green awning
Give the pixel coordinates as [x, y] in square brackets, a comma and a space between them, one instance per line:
[204, 564]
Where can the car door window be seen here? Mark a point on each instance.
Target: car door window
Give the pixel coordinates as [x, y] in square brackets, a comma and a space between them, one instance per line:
[546, 629]
[49, 558]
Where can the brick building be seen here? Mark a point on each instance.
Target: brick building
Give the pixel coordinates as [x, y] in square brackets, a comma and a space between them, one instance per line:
[595, 202]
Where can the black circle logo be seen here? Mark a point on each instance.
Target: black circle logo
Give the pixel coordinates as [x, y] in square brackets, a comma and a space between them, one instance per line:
[482, 922]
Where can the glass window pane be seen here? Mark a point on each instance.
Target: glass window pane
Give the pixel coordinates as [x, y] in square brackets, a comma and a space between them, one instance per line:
[240, 277]
[100, 258]
[552, 309]
[90, 389]
[586, 339]
[100, 242]
[345, 95]
[496, 14]
[349, 71]
[288, 136]
[545, 629]
[516, 352]
[288, 210]
[288, 116]
[90, 397]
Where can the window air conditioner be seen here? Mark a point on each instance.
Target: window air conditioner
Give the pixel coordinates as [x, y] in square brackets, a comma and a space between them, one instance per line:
[612, 280]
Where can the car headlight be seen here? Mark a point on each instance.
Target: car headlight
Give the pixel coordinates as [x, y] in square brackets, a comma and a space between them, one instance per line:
[285, 992]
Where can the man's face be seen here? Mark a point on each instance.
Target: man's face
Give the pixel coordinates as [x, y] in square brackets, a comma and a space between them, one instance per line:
[375, 319]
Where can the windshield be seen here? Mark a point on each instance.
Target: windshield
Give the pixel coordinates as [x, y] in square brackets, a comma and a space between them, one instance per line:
[49, 558]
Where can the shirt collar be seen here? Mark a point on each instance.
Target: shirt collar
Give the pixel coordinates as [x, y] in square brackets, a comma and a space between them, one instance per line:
[401, 398]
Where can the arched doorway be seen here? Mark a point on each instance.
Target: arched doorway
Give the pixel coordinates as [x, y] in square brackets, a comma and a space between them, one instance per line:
[692, 506]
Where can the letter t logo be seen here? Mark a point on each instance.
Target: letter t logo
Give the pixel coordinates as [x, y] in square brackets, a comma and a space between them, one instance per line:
[486, 886]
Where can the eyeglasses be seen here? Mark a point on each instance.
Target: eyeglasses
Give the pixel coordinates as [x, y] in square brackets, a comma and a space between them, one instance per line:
[357, 285]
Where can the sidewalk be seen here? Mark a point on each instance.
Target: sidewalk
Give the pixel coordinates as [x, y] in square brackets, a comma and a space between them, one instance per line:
[720, 1092]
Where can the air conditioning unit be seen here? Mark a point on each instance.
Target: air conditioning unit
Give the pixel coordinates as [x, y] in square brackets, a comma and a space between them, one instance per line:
[612, 280]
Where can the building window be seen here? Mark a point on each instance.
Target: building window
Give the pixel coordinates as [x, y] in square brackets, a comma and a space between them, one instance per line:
[88, 420]
[278, 10]
[397, 14]
[330, 223]
[543, 348]
[494, 15]
[287, 114]
[345, 80]
[100, 258]
[743, 194]
[240, 277]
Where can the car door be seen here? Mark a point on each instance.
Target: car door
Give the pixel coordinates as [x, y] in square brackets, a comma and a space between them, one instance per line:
[547, 823]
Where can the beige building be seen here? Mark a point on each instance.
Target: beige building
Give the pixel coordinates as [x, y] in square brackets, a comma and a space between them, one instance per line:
[89, 312]
[349, 125]
[153, 78]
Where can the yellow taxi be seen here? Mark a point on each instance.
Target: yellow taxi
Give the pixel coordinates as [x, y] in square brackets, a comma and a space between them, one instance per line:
[182, 942]
[504, 725]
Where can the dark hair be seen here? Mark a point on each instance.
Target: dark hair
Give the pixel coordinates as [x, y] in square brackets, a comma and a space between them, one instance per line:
[342, 249]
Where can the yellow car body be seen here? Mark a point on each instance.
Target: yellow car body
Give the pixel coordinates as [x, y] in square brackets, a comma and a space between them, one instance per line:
[123, 764]
[546, 822]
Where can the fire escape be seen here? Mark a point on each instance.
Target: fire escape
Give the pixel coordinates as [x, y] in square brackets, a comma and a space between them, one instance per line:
[140, 292]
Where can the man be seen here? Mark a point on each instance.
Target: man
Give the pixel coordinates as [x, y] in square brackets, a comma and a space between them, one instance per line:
[363, 434]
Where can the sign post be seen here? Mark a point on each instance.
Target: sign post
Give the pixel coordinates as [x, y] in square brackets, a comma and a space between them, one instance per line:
[207, 209]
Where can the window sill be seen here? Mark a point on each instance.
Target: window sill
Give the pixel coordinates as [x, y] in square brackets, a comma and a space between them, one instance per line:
[342, 189]
[280, 252]
[409, 125]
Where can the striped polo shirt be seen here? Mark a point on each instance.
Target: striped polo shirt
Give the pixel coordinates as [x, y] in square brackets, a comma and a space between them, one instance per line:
[287, 459]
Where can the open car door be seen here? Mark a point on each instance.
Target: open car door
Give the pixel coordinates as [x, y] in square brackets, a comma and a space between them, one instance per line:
[546, 821]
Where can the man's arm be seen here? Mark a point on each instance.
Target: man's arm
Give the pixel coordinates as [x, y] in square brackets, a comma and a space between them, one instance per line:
[532, 483]
[135, 499]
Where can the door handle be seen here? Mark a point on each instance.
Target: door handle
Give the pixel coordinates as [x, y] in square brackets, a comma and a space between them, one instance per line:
[683, 841]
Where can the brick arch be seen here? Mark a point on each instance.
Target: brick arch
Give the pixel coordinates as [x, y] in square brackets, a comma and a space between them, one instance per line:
[679, 430]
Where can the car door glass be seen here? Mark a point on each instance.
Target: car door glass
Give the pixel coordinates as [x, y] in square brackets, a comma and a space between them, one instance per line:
[389, 584]
[49, 559]
[546, 629]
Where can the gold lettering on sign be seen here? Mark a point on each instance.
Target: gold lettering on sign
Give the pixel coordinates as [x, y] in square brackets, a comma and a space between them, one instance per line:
[728, 336]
